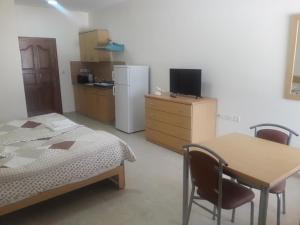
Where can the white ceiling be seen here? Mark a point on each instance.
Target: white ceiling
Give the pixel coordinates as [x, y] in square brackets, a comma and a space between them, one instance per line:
[77, 5]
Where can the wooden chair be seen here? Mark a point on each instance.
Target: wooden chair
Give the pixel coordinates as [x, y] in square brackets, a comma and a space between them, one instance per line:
[206, 169]
[282, 137]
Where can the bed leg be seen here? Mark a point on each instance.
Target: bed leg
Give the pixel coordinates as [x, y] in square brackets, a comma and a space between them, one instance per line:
[121, 177]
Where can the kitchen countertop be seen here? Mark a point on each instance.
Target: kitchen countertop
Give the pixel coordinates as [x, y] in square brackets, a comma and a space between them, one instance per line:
[93, 86]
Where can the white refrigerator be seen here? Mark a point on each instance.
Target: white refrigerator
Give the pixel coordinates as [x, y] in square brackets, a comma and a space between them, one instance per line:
[131, 83]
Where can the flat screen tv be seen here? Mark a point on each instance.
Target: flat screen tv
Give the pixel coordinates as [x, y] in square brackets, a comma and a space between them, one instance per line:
[185, 82]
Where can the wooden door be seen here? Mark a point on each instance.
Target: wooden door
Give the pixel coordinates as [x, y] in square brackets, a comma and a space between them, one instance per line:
[40, 75]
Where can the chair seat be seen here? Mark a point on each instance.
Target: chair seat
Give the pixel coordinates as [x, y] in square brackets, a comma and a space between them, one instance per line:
[279, 188]
[234, 195]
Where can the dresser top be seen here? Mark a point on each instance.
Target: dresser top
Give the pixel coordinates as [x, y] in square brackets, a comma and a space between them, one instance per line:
[181, 99]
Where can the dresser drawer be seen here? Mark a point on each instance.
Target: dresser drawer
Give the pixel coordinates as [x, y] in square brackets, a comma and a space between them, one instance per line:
[171, 130]
[170, 107]
[172, 119]
[166, 140]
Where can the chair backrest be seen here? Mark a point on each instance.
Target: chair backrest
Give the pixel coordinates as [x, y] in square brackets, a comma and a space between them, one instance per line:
[274, 135]
[206, 169]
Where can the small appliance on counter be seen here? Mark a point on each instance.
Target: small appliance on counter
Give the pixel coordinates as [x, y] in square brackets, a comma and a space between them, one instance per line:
[91, 78]
[85, 76]
[82, 79]
[104, 84]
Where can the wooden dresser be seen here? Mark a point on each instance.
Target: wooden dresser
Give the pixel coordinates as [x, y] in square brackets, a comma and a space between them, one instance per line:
[174, 122]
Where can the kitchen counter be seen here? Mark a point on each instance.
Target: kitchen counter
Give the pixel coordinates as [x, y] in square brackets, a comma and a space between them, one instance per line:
[92, 85]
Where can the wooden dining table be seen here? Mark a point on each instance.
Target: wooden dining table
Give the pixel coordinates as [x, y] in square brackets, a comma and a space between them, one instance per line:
[257, 162]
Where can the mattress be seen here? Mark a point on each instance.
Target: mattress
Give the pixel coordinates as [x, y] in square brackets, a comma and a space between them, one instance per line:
[37, 159]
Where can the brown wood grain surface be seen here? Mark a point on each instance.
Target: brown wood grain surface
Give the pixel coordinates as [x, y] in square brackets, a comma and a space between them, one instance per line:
[257, 161]
[40, 75]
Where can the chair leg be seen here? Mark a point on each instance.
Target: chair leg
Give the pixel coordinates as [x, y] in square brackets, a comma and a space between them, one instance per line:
[219, 215]
[278, 208]
[233, 216]
[190, 205]
[283, 203]
[252, 214]
[214, 212]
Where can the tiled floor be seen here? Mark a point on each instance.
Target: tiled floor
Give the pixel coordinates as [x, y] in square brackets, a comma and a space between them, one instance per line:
[152, 196]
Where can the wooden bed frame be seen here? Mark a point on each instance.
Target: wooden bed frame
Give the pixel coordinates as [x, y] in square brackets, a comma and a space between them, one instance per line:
[118, 172]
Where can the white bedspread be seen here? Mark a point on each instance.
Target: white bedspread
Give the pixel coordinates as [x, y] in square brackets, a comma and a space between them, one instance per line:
[92, 153]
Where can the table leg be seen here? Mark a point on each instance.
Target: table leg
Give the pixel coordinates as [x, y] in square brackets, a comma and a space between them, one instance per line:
[263, 206]
[185, 188]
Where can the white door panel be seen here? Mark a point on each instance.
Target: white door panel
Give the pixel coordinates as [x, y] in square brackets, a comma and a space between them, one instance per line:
[122, 107]
[121, 75]
[131, 84]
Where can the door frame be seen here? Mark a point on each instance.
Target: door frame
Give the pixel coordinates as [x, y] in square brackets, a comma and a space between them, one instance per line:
[57, 87]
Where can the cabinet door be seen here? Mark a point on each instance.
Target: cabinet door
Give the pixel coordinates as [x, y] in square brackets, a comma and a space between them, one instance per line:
[90, 100]
[92, 54]
[102, 39]
[76, 97]
[88, 42]
[100, 108]
[93, 105]
[83, 101]
[106, 108]
[80, 99]
[83, 46]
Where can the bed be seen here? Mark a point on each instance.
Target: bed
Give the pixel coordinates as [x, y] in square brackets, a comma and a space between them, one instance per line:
[45, 156]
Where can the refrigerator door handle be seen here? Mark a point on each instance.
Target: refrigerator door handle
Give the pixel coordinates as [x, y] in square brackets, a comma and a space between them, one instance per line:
[114, 90]
[113, 75]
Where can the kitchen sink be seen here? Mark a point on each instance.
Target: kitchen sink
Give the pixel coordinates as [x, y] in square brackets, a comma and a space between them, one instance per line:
[103, 84]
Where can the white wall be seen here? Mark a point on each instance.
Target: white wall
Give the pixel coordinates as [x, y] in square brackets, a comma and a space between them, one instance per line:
[12, 97]
[241, 46]
[50, 23]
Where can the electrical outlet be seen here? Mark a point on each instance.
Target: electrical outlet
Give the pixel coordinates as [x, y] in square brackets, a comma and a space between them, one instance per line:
[232, 118]
[236, 119]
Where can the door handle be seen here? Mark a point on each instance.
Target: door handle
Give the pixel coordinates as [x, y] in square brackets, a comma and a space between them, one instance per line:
[113, 75]
[114, 90]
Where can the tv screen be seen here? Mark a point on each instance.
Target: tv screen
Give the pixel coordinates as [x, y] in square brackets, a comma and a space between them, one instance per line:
[185, 81]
